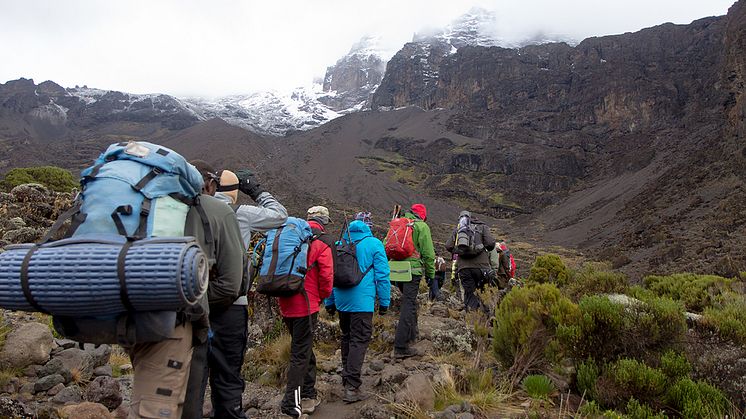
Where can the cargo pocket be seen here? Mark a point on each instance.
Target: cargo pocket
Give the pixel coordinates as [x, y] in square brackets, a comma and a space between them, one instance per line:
[157, 408]
[169, 217]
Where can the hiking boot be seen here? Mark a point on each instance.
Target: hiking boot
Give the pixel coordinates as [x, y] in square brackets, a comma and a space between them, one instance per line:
[286, 416]
[309, 405]
[353, 395]
[407, 353]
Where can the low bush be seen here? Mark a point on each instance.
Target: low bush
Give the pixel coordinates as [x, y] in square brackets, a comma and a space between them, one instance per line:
[54, 178]
[549, 269]
[608, 330]
[697, 292]
[595, 278]
[587, 375]
[538, 386]
[531, 322]
[675, 365]
[629, 378]
[635, 410]
[697, 400]
[728, 317]
[4, 330]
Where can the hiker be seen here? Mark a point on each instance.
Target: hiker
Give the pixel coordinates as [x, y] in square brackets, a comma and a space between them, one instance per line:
[222, 361]
[422, 264]
[300, 314]
[441, 267]
[161, 391]
[502, 264]
[472, 242]
[357, 304]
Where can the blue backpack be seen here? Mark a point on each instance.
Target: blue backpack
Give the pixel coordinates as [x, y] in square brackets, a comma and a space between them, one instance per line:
[137, 190]
[283, 267]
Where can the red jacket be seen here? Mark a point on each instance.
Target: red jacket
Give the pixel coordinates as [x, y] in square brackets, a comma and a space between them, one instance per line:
[318, 283]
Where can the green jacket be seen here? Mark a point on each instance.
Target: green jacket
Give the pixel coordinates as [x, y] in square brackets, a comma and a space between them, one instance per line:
[423, 242]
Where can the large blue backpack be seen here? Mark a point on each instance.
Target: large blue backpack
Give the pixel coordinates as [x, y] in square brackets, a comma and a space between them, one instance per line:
[142, 192]
[283, 268]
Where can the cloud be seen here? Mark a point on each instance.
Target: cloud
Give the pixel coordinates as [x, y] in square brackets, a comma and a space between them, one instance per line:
[190, 47]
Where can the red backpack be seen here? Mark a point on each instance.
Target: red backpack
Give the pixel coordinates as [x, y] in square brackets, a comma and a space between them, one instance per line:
[399, 242]
[505, 249]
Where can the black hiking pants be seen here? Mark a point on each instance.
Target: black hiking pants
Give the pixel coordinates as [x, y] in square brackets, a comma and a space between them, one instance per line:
[195, 394]
[302, 368]
[406, 330]
[357, 330]
[225, 358]
[436, 284]
[472, 279]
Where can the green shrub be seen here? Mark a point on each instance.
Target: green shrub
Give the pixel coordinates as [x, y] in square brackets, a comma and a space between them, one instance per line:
[587, 374]
[593, 279]
[608, 330]
[538, 386]
[697, 292]
[728, 317]
[4, 330]
[534, 318]
[593, 410]
[54, 178]
[629, 378]
[549, 268]
[675, 365]
[635, 410]
[697, 400]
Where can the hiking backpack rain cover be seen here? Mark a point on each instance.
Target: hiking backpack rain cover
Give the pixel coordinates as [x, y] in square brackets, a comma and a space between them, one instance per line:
[283, 267]
[127, 268]
[399, 243]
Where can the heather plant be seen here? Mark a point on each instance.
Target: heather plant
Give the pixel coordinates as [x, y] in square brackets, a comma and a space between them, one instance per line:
[594, 278]
[728, 317]
[697, 399]
[549, 268]
[697, 292]
[629, 378]
[54, 178]
[675, 365]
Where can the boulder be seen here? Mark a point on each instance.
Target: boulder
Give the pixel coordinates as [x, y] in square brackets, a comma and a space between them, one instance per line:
[104, 371]
[377, 365]
[30, 343]
[393, 374]
[11, 408]
[78, 362]
[417, 389]
[45, 383]
[55, 366]
[30, 192]
[68, 395]
[99, 353]
[104, 390]
[55, 390]
[85, 410]
[446, 414]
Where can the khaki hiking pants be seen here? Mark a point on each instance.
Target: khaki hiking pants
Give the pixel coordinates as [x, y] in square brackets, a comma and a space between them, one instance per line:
[161, 374]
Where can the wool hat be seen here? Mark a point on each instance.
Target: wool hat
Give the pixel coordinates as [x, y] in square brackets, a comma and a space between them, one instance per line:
[228, 185]
[319, 213]
[365, 217]
[420, 210]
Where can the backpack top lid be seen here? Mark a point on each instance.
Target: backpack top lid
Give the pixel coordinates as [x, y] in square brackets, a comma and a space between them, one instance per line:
[183, 178]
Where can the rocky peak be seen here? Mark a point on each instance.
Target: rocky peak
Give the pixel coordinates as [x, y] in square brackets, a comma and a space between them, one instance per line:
[474, 28]
[349, 83]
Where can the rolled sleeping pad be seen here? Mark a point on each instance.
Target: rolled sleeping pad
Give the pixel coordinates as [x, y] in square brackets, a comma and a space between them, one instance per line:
[80, 276]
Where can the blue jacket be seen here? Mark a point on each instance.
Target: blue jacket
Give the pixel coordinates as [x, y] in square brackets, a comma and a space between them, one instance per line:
[361, 299]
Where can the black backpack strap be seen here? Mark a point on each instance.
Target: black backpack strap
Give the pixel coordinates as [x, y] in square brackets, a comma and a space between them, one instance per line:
[123, 210]
[205, 221]
[155, 171]
[74, 213]
[142, 228]
[121, 273]
[24, 279]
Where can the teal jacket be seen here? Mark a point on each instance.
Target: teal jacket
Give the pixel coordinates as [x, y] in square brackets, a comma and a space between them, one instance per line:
[369, 251]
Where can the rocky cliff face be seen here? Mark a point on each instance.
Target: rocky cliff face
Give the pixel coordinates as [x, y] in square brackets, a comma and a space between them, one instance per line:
[49, 111]
[349, 83]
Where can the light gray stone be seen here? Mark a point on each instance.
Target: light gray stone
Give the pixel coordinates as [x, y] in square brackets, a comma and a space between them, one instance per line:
[30, 343]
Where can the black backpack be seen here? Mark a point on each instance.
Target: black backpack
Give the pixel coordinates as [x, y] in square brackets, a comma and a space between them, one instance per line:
[468, 241]
[347, 272]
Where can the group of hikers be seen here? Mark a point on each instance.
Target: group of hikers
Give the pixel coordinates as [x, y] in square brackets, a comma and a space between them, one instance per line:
[141, 191]
[235, 225]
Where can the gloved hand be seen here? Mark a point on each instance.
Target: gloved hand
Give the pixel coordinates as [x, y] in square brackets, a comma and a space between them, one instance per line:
[382, 310]
[249, 184]
[331, 309]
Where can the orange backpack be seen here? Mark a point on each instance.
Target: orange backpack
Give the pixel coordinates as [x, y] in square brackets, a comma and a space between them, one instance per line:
[399, 242]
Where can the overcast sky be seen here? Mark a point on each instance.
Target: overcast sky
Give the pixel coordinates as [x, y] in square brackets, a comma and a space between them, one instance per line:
[219, 47]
